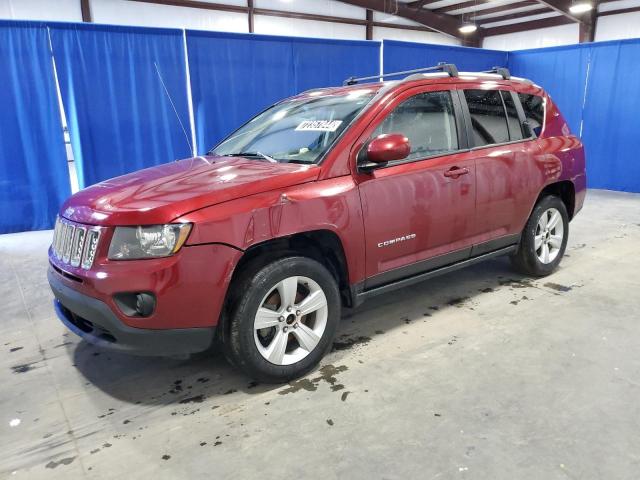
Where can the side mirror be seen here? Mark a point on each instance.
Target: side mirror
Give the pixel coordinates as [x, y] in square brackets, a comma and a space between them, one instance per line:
[383, 149]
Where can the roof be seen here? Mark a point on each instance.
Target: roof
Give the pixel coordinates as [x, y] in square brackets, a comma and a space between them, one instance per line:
[439, 77]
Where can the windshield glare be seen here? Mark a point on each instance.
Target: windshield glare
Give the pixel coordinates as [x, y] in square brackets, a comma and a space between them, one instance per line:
[296, 131]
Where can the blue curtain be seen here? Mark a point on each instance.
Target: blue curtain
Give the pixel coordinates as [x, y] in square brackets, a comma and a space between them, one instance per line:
[125, 96]
[34, 179]
[235, 76]
[400, 56]
[611, 127]
[561, 71]
[593, 85]
[326, 63]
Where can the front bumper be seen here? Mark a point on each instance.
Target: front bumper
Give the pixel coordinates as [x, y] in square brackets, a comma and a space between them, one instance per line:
[190, 287]
[95, 322]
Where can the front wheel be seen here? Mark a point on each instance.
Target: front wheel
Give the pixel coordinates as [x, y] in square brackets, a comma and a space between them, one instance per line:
[285, 319]
[544, 238]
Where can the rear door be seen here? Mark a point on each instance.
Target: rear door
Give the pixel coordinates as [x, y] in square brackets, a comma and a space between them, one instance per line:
[418, 212]
[506, 169]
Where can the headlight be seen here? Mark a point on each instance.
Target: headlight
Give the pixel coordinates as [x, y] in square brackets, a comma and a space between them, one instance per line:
[152, 241]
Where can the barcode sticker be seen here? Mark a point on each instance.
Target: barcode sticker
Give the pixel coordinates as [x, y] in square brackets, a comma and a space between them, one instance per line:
[319, 126]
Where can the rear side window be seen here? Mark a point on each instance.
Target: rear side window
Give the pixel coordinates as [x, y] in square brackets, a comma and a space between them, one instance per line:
[533, 106]
[515, 128]
[488, 118]
[428, 121]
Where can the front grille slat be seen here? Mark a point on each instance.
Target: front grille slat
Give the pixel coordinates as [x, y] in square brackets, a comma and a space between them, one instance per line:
[75, 244]
[56, 229]
[59, 240]
[68, 243]
[63, 237]
[90, 249]
[78, 245]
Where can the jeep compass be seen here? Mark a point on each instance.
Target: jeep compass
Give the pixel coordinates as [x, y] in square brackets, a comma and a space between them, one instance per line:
[319, 202]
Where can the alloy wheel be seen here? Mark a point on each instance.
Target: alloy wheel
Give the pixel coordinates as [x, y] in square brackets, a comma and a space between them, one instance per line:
[291, 320]
[549, 235]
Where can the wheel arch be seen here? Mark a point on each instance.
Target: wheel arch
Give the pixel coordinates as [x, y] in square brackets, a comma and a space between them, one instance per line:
[566, 190]
[324, 246]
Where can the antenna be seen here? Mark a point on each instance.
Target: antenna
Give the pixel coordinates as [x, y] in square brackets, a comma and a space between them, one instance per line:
[174, 109]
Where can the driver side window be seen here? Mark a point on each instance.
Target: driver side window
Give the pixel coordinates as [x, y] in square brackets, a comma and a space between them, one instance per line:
[428, 121]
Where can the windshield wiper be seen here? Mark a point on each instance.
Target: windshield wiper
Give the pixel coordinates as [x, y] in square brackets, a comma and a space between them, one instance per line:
[252, 155]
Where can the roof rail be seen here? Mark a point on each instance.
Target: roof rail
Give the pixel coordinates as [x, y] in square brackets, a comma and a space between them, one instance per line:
[449, 68]
[502, 71]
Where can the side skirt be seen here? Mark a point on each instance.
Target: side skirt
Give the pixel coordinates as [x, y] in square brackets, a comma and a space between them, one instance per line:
[359, 295]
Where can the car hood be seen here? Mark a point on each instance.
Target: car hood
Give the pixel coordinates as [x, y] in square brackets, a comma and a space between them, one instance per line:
[163, 193]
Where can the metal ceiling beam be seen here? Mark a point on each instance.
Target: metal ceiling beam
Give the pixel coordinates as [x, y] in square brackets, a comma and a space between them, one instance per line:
[457, 6]
[524, 26]
[278, 13]
[440, 23]
[506, 8]
[618, 12]
[419, 4]
[587, 30]
[251, 15]
[562, 6]
[85, 8]
[512, 16]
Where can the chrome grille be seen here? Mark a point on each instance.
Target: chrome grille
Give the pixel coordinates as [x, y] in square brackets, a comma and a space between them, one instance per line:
[75, 244]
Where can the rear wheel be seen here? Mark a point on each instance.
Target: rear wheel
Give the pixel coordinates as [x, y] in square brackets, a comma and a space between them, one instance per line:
[285, 319]
[544, 238]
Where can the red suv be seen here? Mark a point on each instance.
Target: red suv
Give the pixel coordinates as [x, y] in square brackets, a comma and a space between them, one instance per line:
[321, 201]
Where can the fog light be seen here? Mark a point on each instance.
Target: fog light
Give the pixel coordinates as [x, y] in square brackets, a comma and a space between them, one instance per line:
[136, 304]
[145, 304]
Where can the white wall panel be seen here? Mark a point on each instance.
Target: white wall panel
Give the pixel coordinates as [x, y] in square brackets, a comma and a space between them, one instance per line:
[124, 12]
[616, 27]
[545, 37]
[380, 33]
[307, 28]
[60, 10]
[318, 7]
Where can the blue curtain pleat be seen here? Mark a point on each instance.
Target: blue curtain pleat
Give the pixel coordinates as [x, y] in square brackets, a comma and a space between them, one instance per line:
[235, 76]
[125, 95]
[399, 56]
[34, 178]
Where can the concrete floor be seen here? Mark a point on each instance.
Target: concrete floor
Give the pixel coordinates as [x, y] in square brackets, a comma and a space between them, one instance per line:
[478, 374]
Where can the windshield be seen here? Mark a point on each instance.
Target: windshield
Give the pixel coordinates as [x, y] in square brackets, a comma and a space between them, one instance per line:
[296, 131]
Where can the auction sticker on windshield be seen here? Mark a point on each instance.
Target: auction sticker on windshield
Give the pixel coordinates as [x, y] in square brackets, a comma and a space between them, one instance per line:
[319, 125]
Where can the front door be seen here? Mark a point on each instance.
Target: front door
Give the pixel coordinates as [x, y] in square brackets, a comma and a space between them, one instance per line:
[419, 213]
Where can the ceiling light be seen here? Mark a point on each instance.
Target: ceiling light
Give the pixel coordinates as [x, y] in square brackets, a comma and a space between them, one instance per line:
[580, 7]
[468, 28]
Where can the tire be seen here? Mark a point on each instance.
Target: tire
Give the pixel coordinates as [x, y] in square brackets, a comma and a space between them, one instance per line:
[531, 260]
[292, 342]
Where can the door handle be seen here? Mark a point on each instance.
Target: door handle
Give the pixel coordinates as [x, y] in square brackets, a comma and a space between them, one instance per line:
[455, 172]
